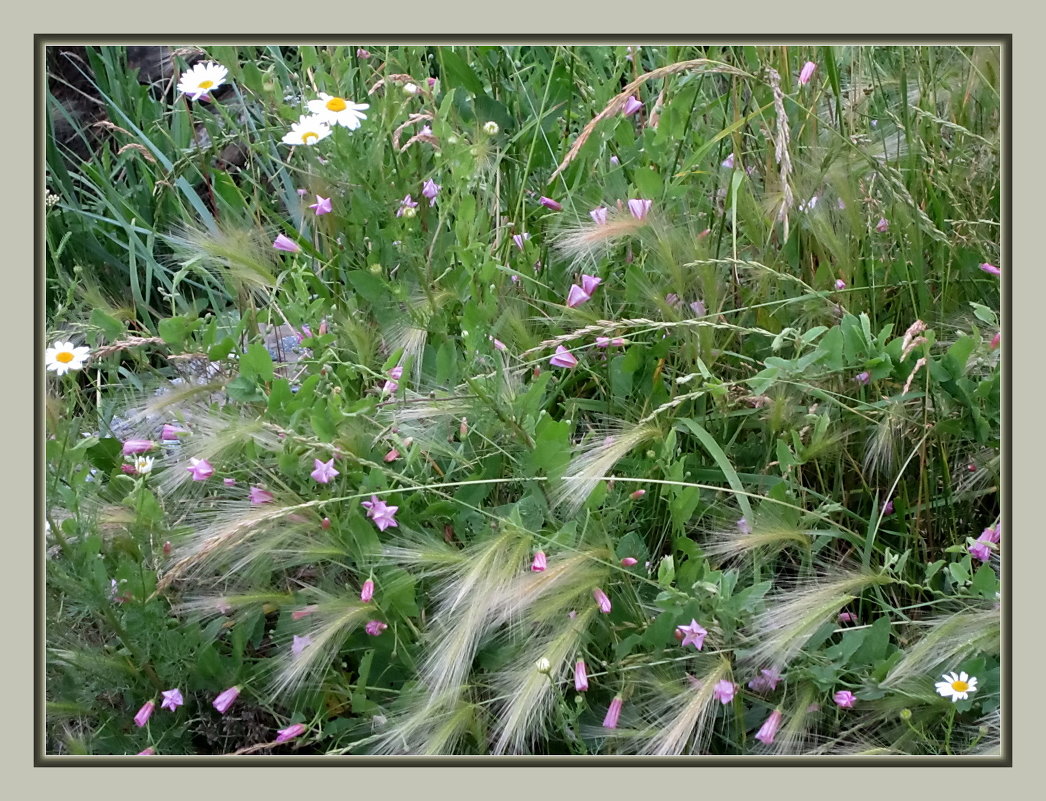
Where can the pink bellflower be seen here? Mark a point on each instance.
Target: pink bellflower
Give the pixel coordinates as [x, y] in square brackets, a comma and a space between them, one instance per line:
[367, 593]
[580, 676]
[602, 601]
[807, 72]
[133, 446]
[632, 105]
[613, 713]
[284, 243]
[322, 205]
[563, 358]
[540, 562]
[639, 208]
[766, 681]
[430, 189]
[381, 513]
[172, 699]
[844, 699]
[549, 203]
[324, 471]
[599, 215]
[375, 627]
[226, 699]
[407, 206]
[694, 634]
[292, 731]
[201, 469]
[724, 691]
[768, 730]
[299, 644]
[260, 496]
[990, 268]
[144, 713]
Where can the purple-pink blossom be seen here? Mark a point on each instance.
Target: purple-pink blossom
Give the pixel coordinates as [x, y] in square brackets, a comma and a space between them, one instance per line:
[549, 203]
[519, 239]
[606, 342]
[322, 205]
[430, 189]
[170, 432]
[883, 225]
[201, 469]
[599, 215]
[766, 681]
[407, 204]
[632, 105]
[768, 730]
[693, 634]
[981, 549]
[133, 446]
[172, 699]
[324, 471]
[844, 699]
[226, 699]
[362, 53]
[292, 731]
[299, 644]
[602, 601]
[380, 512]
[743, 527]
[367, 593]
[259, 495]
[863, 378]
[990, 268]
[305, 611]
[375, 627]
[728, 162]
[540, 562]
[580, 676]
[144, 713]
[807, 72]
[639, 493]
[498, 344]
[563, 358]
[613, 713]
[628, 561]
[840, 284]
[724, 691]
[284, 243]
[639, 208]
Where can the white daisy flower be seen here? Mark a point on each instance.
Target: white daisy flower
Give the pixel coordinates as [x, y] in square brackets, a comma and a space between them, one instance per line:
[339, 111]
[143, 465]
[62, 357]
[202, 79]
[957, 686]
[308, 130]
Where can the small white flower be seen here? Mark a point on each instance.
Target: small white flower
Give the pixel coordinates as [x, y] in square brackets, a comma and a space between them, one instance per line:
[308, 130]
[410, 89]
[490, 127]
[957, 686]
[62, 357]
[202, 79]
[338, 111]
[143, 465]
[543, 665]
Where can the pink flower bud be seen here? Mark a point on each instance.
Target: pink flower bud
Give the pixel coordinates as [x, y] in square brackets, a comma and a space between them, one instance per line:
[807, 72]
[639, 493]
[539, 563]
[613, 713]
[601, 600]
[226, 699]
[768, 730]
[549, 203]
[284, 243]
[628, 561]
[844, 699]
[292, 731]
[144, 713]
[133, 446]
[632, 105]
[375, 627]
[580, 676]
[367, 593]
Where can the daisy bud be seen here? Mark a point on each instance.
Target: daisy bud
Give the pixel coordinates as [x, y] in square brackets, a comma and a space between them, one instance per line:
[543, 665]
[490, 128]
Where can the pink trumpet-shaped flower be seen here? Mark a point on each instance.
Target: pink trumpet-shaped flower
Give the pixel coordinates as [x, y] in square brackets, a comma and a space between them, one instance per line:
[381, 513]
[430, 189]
[150, 751]
[639, 493]
[549, 203]
[322, 205]
[628, 561]
[292, 731]
[724, 691]
[226, 699]
[768, 730]
[694, 634]
[324, 471]
[577, 296]
[840, 284]
[807, 72]
[613, 713]
[367, 593]
[602, 601]
[563, 358]
[519, 239]
[847, 617]
[632, 105]
[133, 446]
[589, 283]
[863, 378]
[498, 344]
[375, 627]
[599, 215]
[540, 562]
[299, 644]
[995, 340]
[144, 713]
[172, 699]
[405, 204]
[728, 162]
[362, 53]
[170, 432]
[259, 496]
[639, 208]
[305, 611]
[883, 225]
[766, 681]
[844, 699]
[201, 469]
[283, 243]
[743, 527]
[990, 268]
[606, 342]
[580, 676]
[391, 456]
[229, 482]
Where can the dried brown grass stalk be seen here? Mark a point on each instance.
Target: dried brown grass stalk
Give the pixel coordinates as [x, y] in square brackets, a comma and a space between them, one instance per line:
[615, 105]
[130, 342]
[398, 133]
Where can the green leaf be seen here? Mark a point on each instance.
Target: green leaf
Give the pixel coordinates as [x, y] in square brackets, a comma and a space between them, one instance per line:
[985, 583]
[721, 459]
[459, 73]
[111, 327]
[174, 330]
[875, 643]
[256, 363]
[244, 390]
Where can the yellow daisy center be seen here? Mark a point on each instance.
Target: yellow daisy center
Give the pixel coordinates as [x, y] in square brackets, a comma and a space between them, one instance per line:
[960, 686]
[336, 104]
[206, 84]
[64, 357]
[309, 135]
